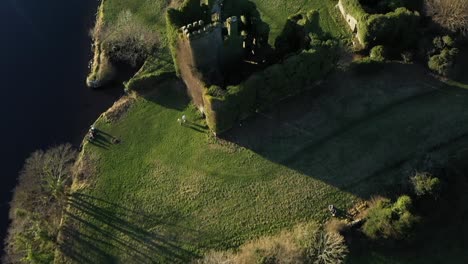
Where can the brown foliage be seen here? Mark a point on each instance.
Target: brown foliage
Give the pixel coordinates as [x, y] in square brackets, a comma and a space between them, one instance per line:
[129, 39]
[451, 14]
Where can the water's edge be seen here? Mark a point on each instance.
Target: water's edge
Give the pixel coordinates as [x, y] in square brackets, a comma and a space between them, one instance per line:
[43, 72]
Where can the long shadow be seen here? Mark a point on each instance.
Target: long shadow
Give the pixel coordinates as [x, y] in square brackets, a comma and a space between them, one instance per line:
[360, 134]
[171, 94]
[97, 229]
[196, 127]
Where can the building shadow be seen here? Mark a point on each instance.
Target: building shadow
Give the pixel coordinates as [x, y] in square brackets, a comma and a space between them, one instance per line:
[171, 93]
[363, 135]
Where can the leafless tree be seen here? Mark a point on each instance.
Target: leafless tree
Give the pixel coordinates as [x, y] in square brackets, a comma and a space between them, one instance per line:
[451, 14]
[128, 39]
[329, 248]
[38, 203]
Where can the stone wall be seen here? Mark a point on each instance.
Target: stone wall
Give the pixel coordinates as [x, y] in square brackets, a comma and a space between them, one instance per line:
[352, 21]
[206, 46]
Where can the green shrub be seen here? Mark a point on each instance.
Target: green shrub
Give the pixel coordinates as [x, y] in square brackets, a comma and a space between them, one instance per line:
[295, 32]
[216, 91]
[378, 53]
[424, 184]
[448, 41]
[444, 62]
[398, 29]
[387, 220]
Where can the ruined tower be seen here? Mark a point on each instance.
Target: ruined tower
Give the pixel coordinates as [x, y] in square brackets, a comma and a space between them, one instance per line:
[205, 43]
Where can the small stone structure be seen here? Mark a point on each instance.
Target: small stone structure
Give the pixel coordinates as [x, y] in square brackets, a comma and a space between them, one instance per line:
[352, 21]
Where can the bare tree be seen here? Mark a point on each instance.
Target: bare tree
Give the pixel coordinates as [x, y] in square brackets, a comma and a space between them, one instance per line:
[451, 14]
[328, 248]
[37, 205]
[128, 39]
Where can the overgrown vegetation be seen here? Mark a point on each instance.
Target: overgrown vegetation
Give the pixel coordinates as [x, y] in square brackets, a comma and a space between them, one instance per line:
[378, 53]
[306, 243]
[128, 40]
[37, 206]
[425, 184]
[443, 56]
[389, 220]
[391, 25]
[450, 14]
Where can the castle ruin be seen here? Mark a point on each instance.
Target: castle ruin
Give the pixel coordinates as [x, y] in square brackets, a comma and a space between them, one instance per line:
[205, 48]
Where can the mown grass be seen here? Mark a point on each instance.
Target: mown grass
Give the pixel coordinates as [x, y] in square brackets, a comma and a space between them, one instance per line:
[167, 193]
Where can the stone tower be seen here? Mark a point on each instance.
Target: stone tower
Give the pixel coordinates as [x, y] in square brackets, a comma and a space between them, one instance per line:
[205, 43]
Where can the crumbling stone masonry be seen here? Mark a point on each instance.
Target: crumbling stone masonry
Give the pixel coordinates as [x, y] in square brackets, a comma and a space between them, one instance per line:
[202, 49]
[352, 21]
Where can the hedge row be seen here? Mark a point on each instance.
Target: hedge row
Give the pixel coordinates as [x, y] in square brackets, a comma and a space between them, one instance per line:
[295, 74]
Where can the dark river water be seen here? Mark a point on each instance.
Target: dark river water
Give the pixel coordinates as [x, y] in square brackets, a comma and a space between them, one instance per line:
[44, 53]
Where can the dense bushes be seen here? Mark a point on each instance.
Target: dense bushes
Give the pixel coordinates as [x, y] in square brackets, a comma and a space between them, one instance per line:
[294, 35]
[264, 88]
[443, 56]
[378, 53]
[425, 184]
[387, 220]
[397, 29]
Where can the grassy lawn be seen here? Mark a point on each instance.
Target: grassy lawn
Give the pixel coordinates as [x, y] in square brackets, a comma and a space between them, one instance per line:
[275, 13]
[168, 193]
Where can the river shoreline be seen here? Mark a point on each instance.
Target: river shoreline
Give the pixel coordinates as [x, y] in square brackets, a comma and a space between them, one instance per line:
[46, 109]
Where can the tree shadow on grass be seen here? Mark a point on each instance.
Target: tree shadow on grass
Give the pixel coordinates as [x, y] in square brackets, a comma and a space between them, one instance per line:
[361, 134]
[98, 231]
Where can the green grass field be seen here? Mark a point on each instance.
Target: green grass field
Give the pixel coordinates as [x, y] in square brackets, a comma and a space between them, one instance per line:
[168, 193]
